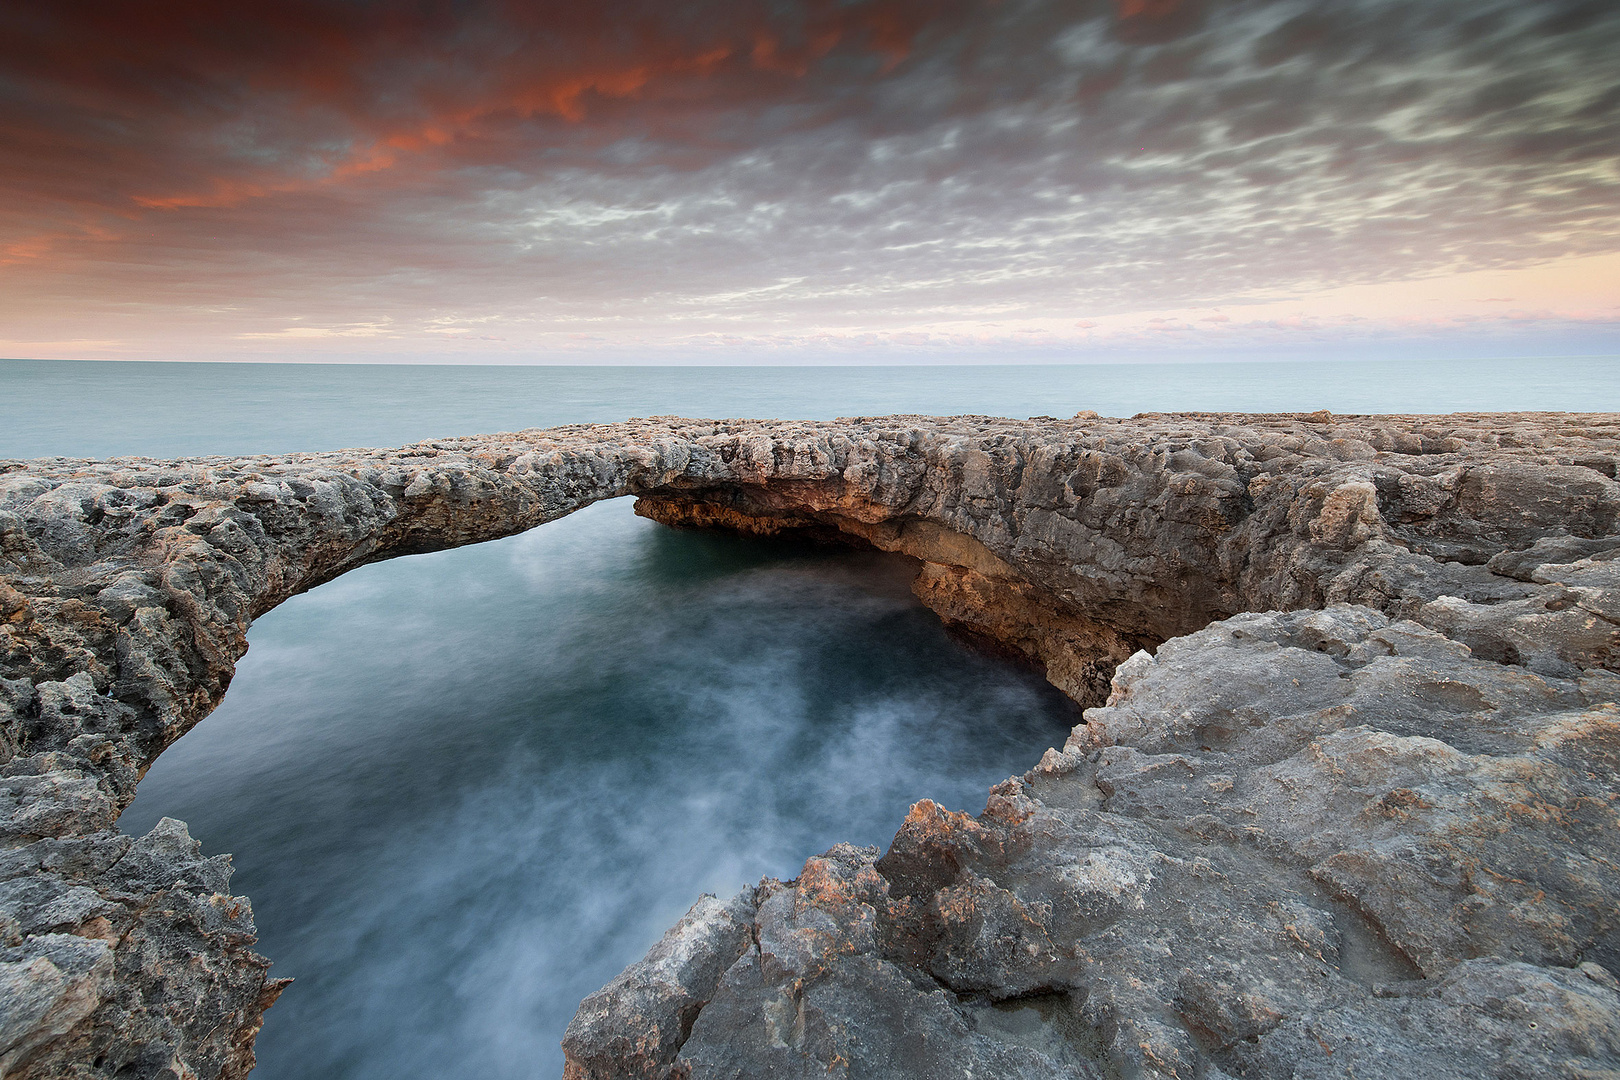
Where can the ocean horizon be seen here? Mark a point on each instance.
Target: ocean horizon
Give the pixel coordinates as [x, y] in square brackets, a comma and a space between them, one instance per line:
[95, 408]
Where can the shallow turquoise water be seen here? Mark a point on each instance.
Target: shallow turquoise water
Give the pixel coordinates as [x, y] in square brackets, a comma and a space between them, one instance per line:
[464, 789]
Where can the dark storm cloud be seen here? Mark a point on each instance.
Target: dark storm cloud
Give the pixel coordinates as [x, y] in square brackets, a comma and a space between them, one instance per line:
[678, 169]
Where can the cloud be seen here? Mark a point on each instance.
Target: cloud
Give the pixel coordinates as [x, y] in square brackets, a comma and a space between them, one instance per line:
[362, 330]
[642, 172]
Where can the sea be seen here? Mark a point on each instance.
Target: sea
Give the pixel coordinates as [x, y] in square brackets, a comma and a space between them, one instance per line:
[465, 789]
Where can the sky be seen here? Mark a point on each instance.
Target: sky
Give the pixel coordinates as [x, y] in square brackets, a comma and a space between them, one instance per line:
[808, 181]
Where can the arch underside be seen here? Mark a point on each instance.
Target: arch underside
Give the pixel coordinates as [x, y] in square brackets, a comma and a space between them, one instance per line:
[1348, 771]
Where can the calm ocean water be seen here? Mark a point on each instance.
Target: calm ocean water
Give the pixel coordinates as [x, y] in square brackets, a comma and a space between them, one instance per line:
[106, 409]
[464, 789]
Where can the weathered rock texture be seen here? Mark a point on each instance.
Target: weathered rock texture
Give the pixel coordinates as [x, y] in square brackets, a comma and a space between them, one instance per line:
[1355, 817]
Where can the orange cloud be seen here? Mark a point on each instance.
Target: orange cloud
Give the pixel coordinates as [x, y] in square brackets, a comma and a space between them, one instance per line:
[32, 247]
[581, 57]
[40, 245]
[222, 193]
[1152, 9]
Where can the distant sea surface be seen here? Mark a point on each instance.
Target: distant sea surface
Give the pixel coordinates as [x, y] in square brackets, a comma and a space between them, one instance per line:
[102, 409]
[464, 789]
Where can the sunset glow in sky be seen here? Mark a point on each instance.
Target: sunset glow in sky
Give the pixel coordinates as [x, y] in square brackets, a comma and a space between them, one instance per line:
[809, 180]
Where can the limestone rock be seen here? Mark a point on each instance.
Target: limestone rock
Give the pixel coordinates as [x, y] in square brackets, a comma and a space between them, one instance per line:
[634, 1026]
[1344, 803]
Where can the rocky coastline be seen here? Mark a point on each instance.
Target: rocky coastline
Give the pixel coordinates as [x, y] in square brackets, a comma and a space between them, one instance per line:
[1344, 802]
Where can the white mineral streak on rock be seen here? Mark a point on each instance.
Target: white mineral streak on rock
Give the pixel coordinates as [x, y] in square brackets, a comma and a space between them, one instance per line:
[1345, 804]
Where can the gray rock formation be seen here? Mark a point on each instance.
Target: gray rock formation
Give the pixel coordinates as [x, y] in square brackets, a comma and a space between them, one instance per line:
[1345, 804]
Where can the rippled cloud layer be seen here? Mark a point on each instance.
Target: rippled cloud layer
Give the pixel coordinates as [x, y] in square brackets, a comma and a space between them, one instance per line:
[803, 179]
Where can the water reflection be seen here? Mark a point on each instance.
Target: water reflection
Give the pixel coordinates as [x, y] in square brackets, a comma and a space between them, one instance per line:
[464, 789]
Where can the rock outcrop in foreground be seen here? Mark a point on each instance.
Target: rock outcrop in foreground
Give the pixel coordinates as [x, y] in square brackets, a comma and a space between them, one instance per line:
[1345, 802]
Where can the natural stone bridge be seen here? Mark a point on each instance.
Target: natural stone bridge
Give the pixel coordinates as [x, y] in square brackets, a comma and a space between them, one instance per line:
[1357, 819]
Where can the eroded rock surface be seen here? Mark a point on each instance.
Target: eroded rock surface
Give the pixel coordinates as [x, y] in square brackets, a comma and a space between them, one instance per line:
[1348, 809]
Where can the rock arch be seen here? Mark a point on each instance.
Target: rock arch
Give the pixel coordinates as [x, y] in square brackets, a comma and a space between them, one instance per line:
[1480, 546]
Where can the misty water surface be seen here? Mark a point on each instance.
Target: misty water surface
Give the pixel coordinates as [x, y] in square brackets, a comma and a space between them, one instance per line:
[464, 789]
